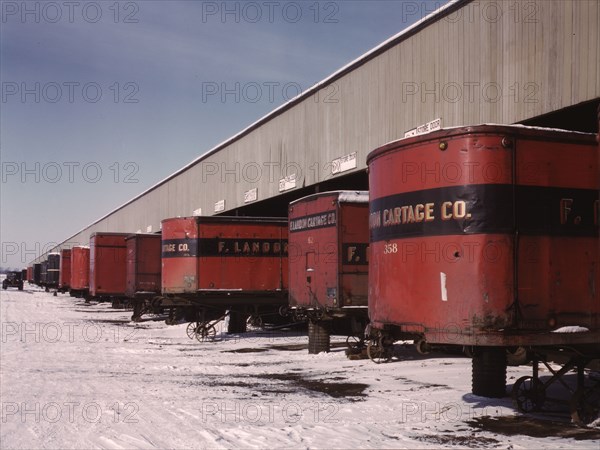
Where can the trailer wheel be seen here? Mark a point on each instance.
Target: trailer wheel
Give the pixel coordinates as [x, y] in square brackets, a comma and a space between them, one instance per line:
[318, 337]
[379, 351]
[284, 310]
[422, 347]
[355, 343]
[585, 406]
[237, 323]
[529, 394]
[191, 329]
[206, 332]
[489, 372]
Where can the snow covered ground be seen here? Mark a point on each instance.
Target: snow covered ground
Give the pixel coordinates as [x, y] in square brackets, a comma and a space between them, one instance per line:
[82, 376]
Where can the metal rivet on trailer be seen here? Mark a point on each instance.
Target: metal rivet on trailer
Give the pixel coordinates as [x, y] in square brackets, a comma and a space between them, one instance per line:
[443, 145]
[507, 142]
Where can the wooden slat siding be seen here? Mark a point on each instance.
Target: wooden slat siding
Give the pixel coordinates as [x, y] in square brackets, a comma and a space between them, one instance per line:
[558, 53]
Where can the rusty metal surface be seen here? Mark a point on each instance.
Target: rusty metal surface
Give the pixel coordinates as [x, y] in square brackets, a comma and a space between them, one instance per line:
[487, 229]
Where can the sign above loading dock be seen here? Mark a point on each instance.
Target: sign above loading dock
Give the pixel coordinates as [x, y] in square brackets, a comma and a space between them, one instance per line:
[251, 195]
[197, 212]
[149, 229]
[220, 206]
[287, 183]
[425, 128]
[347, 162]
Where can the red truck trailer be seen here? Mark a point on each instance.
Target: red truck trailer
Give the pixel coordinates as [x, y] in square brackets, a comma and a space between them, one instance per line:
[211, 265]
[52, 271]
[30, 274]
[80, 272]
[64, 277]
[328, 247]
[37, 273]
[44, 275]
[143, 272]
[487, 237]
[108, 268]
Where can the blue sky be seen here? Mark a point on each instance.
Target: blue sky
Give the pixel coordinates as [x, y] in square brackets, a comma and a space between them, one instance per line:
[100, 102]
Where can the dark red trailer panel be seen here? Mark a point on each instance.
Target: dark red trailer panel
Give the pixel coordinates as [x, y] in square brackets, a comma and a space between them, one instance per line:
[37, 273]
[53, 270]
[328, 246]
[44, 273]
[65, 269]
[219, 254]
[108, 268]
[486, 236]
[80, 268]
[143, 264]
[30, 274]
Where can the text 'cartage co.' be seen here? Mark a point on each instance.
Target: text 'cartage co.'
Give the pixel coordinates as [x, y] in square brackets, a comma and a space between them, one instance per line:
[322, 220]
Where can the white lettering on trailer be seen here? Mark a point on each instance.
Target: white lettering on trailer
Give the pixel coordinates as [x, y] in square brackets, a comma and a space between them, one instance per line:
[317, 221]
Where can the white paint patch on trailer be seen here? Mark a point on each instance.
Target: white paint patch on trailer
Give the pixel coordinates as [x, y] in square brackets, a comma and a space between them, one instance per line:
[443, 288]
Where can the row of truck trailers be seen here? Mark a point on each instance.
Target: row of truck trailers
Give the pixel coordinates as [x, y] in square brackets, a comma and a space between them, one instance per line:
[482, 239]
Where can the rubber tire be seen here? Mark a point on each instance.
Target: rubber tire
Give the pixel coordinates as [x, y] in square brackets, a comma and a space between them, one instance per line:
[318, 337]
[237, 323]
[422, 347]
[489, 372]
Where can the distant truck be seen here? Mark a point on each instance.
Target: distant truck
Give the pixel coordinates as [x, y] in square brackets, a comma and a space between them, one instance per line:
[13, 279]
